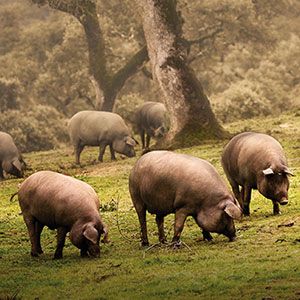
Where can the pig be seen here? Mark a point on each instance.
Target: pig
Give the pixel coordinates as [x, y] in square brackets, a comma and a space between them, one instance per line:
[151, 119]
[11, 160]
[100, 128]
[256, 161]
[64, 203]
[163, 182]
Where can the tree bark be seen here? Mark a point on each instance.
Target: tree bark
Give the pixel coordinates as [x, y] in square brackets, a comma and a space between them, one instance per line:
[191, 116]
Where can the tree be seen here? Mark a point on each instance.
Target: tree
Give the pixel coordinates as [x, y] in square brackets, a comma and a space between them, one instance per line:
[191, 115]
[107, 84]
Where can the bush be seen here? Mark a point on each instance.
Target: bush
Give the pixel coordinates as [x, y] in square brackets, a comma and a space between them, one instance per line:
[42, 128]
[9, 94]
[127, 105]
[240, 101]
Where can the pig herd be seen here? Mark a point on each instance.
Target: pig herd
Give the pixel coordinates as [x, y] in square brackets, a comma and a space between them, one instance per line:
[160, 182]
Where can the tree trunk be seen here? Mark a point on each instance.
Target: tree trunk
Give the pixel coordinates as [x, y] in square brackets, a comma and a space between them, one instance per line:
[191, 116]
[107, 85]
[110, 85]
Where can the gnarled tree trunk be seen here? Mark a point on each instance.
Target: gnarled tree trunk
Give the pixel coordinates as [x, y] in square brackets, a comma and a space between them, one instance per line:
[191, 115]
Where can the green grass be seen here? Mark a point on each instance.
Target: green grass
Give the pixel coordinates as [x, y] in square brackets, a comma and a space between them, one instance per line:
[264, 263]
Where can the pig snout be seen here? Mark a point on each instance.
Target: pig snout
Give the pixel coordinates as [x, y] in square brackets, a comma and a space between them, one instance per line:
[130, 153]
[230, 232]
[94, 250]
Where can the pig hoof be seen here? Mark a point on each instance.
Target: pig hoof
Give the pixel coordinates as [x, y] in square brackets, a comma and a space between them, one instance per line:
[34, 254]
[145, 244]
[177, 244]
[232, 239]
[40, 251]
[57, 256]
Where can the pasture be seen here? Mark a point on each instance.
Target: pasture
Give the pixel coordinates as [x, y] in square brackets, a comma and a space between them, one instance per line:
[263, 263]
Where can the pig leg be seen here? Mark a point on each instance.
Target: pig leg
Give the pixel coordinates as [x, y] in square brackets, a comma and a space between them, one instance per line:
[236, 190]
[101, 152]
[160, 225]
[61, 237]
[38, 230]
[246, 200]
[112, 153]
[78, 149]
[147, 140]
[30, 223]
[206, 235]
[276, 210]
[142, 134]
[1, 172]
[180, 217]
[141, 211]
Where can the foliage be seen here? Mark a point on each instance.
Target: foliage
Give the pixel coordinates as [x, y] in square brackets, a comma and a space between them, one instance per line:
[9, 94]
[262, 263]
[64, 79]
[259, 86]
[41, 128]
[127, 105]
[245, 54]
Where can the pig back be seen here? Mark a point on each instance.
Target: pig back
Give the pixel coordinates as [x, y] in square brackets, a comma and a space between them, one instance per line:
[248, 153]
[92, 127]
[151, 114]
[166, 181]
[8, 149]
[57, 200]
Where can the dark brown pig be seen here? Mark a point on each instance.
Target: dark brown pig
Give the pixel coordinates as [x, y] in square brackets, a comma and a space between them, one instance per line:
[61, 202]
[151, 119]
[163, 182]
[256, 161]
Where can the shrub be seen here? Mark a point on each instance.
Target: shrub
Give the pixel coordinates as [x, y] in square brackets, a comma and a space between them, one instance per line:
[42, 128]
[127, 105]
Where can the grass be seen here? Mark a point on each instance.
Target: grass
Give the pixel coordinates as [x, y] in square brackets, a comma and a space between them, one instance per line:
[262, 264]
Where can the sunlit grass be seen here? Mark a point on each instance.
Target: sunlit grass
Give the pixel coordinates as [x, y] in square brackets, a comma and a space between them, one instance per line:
[262, 264]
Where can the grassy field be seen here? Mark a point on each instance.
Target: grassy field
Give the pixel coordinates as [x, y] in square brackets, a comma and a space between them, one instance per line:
[264, 262]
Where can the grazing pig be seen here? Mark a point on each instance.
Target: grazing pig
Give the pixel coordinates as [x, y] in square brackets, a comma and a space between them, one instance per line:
[100, 128]
[11, 160]
[163, 182]
[150, 119]
[58, 201]
[256, 161]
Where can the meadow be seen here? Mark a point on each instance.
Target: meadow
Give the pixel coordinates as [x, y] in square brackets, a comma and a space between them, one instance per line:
[263, 263]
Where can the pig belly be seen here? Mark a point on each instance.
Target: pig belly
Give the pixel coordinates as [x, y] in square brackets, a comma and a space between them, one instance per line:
[159, 205]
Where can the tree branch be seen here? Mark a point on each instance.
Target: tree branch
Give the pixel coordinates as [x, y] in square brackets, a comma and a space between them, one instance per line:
[130, 68]
[206, 37]
[75, 8]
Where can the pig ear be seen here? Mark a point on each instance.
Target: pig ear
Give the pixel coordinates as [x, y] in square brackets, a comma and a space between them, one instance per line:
[17, 164]
[233, 211]
[130, 141]
[91, 233]
[105, 232]
[287, 171]
[268, 171]
[135, 140]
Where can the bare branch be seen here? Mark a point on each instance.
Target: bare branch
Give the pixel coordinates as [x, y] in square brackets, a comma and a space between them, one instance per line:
[206, 37]
[130, 68]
